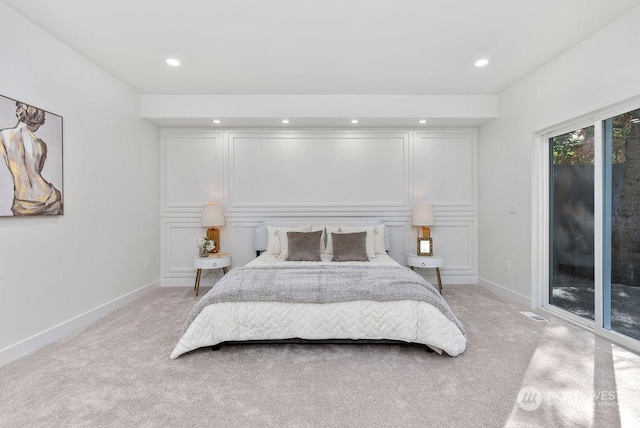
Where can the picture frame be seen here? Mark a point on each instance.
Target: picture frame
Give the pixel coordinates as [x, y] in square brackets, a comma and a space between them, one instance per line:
[425, 247]
[30, 185]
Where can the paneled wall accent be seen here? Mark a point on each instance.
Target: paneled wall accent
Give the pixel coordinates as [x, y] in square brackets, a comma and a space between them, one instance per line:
[446, 170]
[192, 174]
[259, 174]
[309, 171]
[446, 174]
[192, 166]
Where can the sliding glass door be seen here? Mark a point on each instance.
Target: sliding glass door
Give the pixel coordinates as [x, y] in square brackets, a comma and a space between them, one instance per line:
[571, 281]
[621, 282]
[594, 225]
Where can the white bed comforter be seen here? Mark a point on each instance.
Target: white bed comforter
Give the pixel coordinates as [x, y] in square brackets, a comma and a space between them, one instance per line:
[403, 320]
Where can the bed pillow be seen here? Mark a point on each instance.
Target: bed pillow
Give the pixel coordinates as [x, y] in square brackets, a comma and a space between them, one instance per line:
[304, 246]
[273, 243]
[379, 245]
[350, 247]
[329, 248]
[323, 239]
[273, 240]
[370, 230]
[284, 242]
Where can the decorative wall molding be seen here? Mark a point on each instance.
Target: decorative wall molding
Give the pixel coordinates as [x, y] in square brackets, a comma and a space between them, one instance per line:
[170, 267]
[406, 158]
[308, 171]
[455, 239]
[192, 165]
[179, 246]
[446, 170]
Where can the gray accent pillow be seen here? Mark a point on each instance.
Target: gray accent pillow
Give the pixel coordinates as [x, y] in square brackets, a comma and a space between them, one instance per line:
[349, 247]
[304, 246]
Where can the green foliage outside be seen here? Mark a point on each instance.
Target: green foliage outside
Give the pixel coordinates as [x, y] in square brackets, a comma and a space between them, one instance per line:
[576, 147]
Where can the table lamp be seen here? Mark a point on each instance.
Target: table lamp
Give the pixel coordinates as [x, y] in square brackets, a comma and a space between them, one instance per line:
[213, 218]
[424, 216]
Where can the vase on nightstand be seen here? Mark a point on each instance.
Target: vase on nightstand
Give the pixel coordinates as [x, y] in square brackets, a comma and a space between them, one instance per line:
[203, 252]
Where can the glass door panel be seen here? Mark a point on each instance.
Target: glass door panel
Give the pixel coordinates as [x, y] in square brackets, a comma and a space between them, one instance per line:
[571, 225]
[621, 294]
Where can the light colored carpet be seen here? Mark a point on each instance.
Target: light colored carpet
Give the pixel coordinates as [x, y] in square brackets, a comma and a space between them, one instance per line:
[118, 373]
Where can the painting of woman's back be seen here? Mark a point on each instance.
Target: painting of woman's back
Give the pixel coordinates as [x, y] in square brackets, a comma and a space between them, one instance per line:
[31, 148]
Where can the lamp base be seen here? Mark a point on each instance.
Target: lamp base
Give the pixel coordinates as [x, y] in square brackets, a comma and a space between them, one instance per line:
[213, 233]
[426, 232]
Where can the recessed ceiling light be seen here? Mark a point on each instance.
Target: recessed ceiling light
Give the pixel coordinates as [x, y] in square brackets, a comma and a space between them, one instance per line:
[285, 121]
[422, 121]
[481, 62]
[172, 61]
[217, 121]
[354, 121]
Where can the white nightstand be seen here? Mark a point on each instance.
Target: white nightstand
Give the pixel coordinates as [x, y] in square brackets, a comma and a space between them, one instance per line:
[219, 261]
[427, 262]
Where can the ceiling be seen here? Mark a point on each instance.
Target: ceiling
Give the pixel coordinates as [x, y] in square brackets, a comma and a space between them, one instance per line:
[302, 47]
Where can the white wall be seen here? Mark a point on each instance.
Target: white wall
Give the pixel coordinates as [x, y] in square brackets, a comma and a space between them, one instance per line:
[260, 174]
[601, 71]
[53, 269]
[162, 107]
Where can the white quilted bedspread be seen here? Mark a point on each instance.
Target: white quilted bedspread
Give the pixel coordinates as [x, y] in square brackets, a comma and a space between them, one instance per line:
[405, 320]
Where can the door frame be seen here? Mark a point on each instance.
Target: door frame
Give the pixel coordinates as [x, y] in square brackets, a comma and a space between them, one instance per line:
[541, 220]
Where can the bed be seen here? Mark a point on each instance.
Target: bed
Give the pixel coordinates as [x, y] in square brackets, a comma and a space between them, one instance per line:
[277, 297]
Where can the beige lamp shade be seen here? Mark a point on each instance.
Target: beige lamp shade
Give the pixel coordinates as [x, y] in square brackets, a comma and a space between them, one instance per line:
[212, 215]
[423, 215]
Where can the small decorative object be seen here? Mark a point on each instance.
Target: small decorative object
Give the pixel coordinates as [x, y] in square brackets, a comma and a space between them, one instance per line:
[425, 247]
[424, 216]
[205, 246]
[213, 218]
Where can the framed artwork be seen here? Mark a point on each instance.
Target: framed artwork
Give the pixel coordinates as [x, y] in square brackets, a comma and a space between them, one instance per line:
[31, 160]
[425, 247]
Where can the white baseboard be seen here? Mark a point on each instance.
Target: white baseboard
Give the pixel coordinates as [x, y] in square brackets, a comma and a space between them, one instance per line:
[507, 293]
[58, 332]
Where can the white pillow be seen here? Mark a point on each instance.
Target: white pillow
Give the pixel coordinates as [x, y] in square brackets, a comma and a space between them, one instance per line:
[273, 243]
[329, 230]
[371, 230]
[273, 240]
[284, 239]
[322, 239]
[379, 240]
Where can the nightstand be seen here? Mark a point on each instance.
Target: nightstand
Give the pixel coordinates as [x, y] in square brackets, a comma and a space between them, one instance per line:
[426, 262]
[215, 261]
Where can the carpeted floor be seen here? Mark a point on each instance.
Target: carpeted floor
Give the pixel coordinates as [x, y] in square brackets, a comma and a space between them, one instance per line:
[118, 373]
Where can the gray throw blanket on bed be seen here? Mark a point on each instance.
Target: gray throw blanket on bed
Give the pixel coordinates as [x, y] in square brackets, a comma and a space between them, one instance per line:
[322, 284]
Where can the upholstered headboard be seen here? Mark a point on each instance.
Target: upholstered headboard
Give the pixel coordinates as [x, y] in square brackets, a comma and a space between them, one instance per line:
[260, 233]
